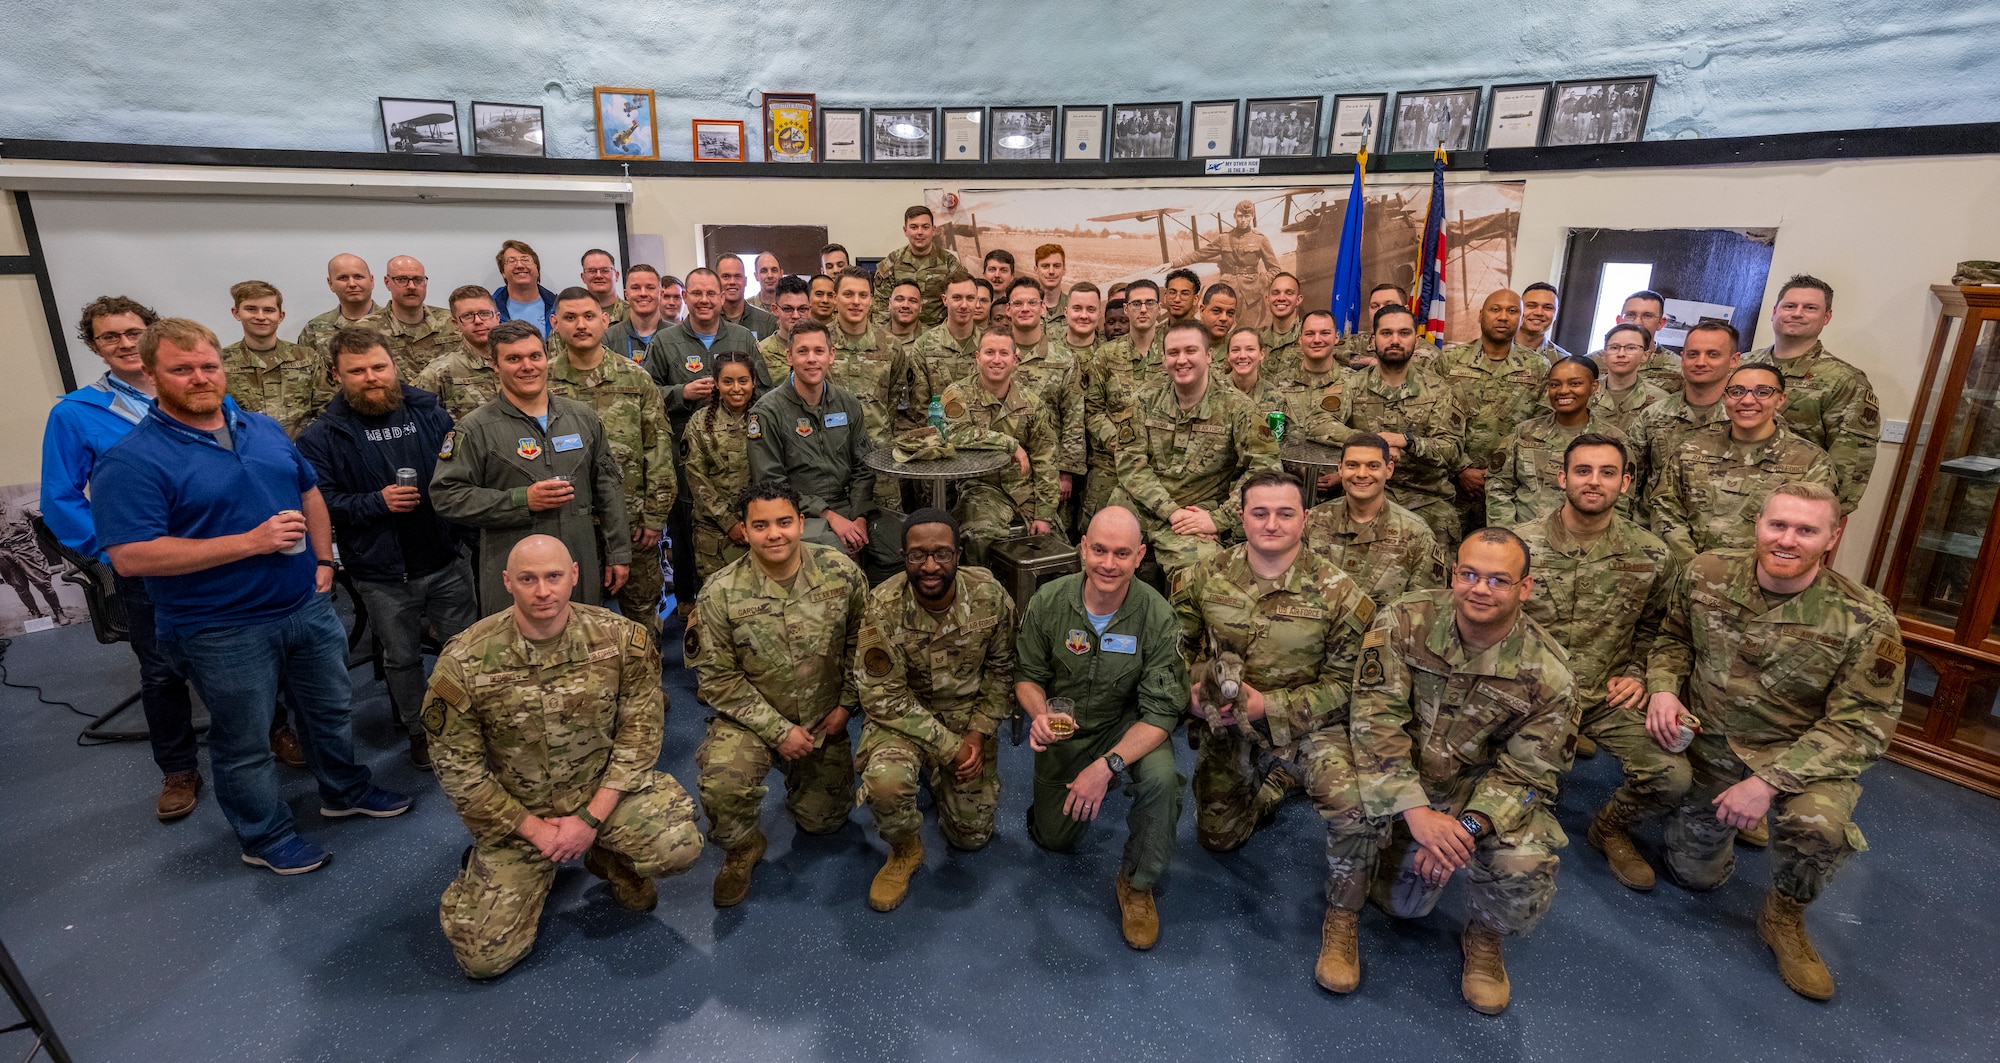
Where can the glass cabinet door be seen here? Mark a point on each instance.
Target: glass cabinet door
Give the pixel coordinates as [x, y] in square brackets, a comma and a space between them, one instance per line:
[1939, 577]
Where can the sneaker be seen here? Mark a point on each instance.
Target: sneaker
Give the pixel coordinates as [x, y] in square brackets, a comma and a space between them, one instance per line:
[295, 856]
[375, 803]
[285, 746]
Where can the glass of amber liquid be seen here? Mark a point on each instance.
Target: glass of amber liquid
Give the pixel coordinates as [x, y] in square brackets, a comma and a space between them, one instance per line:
[1062, 717]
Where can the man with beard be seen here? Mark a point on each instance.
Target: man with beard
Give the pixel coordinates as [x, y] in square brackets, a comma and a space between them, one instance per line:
[1602, 586]
[1421, 419]
[224, 519]
[1354, 350]
[403, 557]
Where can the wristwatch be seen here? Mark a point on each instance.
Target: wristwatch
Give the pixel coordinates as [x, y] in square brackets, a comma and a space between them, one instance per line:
[1472, 825]
[1116, 763]
[589, 820]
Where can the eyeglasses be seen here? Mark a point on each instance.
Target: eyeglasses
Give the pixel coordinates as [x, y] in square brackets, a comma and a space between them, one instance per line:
[599, 271]
[1141, 304]
[106, 339]
[1469, 578]
[1625, 348]
[942, 557]
[473, 316]
[1764, 392]
[407, 280]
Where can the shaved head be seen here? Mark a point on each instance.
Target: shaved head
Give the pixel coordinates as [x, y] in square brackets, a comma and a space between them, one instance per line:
[538, 551]
[1114, 525]
[404, 264]
[345, 263]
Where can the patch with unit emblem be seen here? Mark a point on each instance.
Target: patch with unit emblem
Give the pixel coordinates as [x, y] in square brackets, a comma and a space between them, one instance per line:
[1371, 666]
[528, 448]
[752, 429]
[445, 448]
[692, 364]
[1078, 642]
[954, 409]
[876, 660]
[804, 428]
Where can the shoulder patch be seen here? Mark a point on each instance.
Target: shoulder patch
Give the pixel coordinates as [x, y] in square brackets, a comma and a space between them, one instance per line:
[691, 640]
[1331, 403]
[954, 408]
[1375, 637]
[450, 443]
[752, 429]
[876, 661]
[1371, 665]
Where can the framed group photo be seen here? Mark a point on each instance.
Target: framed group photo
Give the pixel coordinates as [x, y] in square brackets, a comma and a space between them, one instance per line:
[507, 129]
[1083, 133]
[1146, 131]
[1357, 123]
[840, 134]
[719, 140]
[1281, 128]
[1514, 117]
[1021, 134]
[627, 123]
[903, 134]
[789, 127]
[1442, 117]
[1604, 111]
[419, 127]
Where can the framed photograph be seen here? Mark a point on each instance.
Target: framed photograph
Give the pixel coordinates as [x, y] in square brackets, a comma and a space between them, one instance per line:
[627, 123]
[840, 134]
[507, 129]
[1083, 133]
[720, 140]
[419, 127]
[903, 134]
[1016, 134]
[1357, 123]
[1212, 129]
[1606, 111]
[1514, 117]
[1425, 120]
[964, 134]
[789, 126]
[1280, 128]
[1146, 131]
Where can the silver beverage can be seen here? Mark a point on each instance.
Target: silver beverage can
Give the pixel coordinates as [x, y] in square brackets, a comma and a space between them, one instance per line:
[406, 477]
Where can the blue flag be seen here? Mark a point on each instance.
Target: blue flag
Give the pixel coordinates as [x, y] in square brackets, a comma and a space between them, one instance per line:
[1347, 266]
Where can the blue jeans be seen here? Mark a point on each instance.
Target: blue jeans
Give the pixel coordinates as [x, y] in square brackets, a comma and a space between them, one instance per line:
[397, 612]
[239, 672]
[163, 690]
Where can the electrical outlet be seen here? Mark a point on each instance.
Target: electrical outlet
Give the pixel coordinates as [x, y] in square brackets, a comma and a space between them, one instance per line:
[1895, 431]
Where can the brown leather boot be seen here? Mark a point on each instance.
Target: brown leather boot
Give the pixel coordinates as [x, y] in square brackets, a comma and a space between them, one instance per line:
[732, 883]
[1782, 926]
[1586, 746]
[1139, 920]
[1608, 835]
[892, 883]
[285, 745]
[1339, 968]
[420, 752]
[628, 887]
[177, 795]
[1484, 979]
[1756, 837]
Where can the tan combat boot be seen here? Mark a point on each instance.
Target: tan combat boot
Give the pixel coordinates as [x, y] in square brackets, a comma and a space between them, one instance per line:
[1484, 980]
[1339, 968]
[628, 887]
[892, 883]
[1139, 920]
[1782, 925]
[1756, 837]
[1609, 836]
[732, 883]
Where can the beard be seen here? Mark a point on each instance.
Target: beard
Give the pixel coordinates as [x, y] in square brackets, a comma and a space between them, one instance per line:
[368, 406]
[186, 404]
[1392, 358]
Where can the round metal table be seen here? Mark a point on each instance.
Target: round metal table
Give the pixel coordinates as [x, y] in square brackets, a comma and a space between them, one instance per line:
[965, 465]
[1317, 457]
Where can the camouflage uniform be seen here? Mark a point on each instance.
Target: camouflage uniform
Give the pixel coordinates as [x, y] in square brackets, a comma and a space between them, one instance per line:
[415, 347]
[1281, 349]
[987, 507]
[1053, 377]
[1624, 408]
[1300, 636]
[518, 729]
[1802, 692]
[1438, 724]
[320, 329]
[770, 657]
[1423, 409]
[1603, 600]
[1272, 395]
[1313, 381]
[642, 443]
[716, 454]
[947, 358]
[888, 385]
[776, 350]
[462, 381]
[1109, 383]
[925, 681]
[1709, 492]
[1662, 370]
[288, 383]
[930, 272]
[1654, 438]
[1173, 457]
[1387, 557]
[1524, 485]
[1831, 404]
[1497, 396]
[1355, 345]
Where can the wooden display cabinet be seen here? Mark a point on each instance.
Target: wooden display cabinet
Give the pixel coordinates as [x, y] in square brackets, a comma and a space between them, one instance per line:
[1938, 559]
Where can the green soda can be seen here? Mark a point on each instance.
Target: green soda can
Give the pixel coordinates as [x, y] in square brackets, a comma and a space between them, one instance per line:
[1276, 419]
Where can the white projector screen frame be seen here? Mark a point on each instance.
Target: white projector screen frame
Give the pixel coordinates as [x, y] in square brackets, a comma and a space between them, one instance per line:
[180, 254]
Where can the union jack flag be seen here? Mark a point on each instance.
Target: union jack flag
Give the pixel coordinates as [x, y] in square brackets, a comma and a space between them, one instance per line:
[1430, 261]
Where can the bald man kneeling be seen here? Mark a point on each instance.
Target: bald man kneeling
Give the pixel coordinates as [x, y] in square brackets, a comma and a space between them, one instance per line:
[545, 723]
[1109, 646]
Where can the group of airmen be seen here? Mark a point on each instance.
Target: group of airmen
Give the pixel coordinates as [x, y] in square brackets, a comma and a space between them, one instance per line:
[1532, 555]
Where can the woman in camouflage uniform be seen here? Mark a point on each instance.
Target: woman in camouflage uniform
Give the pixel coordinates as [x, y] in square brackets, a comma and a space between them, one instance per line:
[1525, 487]
[716, 450]
[1242, 368]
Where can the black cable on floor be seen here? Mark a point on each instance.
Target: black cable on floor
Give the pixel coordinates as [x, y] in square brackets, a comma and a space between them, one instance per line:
[8, 681]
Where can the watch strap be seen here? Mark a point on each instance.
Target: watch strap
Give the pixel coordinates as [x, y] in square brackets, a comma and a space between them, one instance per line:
[589, 820]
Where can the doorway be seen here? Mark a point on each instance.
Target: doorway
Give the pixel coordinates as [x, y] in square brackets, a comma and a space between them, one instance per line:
[1703, 273]
[797, 248]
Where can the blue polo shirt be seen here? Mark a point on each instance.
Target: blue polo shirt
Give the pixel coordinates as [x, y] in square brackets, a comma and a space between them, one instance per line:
[168, 479]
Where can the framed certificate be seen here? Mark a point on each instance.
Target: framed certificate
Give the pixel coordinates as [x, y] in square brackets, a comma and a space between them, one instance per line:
[1357, 123]
[840, 134]
[1021, 134]
[1083, 134]
[789, 127]
[1278, 128]
[1212, 130]
[1514, 118]
[964, 134]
